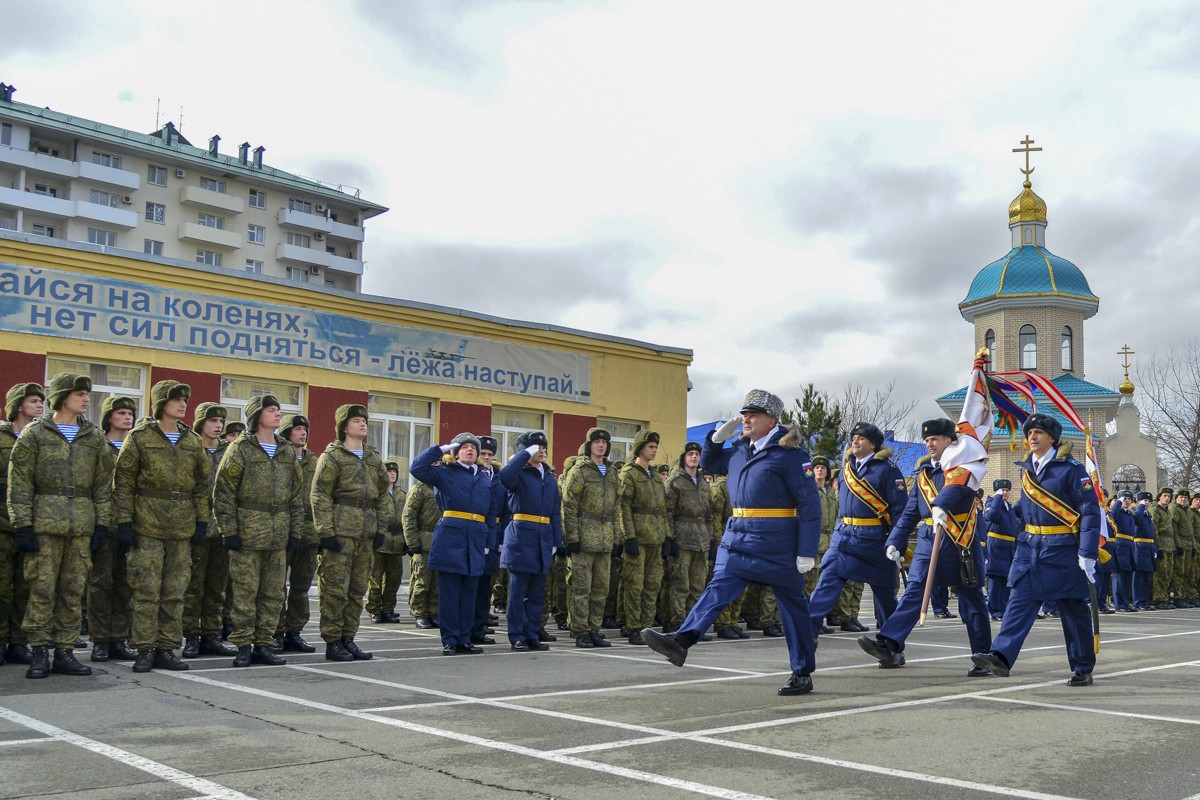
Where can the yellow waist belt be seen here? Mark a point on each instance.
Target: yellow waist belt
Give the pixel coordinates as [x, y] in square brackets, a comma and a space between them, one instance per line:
[465, 515]
[866, 522]
[1143, 540]
[959, 518]
[1043, 530]
[1001, 536]
[531, 518]
[1124, 536]
[764, 512]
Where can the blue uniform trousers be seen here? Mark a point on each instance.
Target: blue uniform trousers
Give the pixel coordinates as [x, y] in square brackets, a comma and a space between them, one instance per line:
[997, 594]
[825, 596]
[456, 606]
[939, 598]
[1021, 613]
[725, 587]
[483, 598]
[1123, 591]
[1141, 588]
[526, 596]
[971, 606]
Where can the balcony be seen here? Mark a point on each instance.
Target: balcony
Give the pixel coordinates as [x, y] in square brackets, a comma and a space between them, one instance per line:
[106, 214]
[213, 237]
[305, 255]
[318, 222]
[38, 203]
[194, 195]
[43, 164]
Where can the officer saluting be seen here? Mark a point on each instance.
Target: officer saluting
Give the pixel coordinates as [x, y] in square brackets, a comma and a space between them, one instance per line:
[1056, 554]
[1002, 521]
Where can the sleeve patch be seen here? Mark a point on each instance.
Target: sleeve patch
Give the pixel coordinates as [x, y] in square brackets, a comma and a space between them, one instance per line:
[900, 483]
[808, 469]
[1086, 482]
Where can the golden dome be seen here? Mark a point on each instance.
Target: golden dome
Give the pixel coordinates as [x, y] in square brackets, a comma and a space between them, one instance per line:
[1126, 387]
[1027, 207]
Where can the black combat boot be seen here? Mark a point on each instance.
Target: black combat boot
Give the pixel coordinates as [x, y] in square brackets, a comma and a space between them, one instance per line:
[3, 648]
[211, 645]
[119, 651]
[244, 656]
[191, 647]
[277, 643]
[165, 658]
[39, 663]
[65, 663]
[99, 651]
[295, 642]
[144, 661]
[264, 654]
[546, 636]
[336, 651]
[18, 654]
[355, 651]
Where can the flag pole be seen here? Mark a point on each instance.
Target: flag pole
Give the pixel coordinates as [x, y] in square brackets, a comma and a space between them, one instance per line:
[931, 576]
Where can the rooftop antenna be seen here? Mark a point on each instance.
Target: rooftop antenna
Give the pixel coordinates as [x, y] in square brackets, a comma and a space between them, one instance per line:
[157, 113]
[180, 128]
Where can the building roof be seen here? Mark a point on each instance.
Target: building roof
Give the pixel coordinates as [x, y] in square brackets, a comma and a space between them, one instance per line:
[1069, 385]
[1025, 271]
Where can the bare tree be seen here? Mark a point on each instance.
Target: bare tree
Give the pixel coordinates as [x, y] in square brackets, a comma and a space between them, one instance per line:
[1170, 382]
[857, 403]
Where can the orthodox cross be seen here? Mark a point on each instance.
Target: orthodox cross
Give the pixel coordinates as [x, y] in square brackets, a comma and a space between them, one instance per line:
[1027, 150]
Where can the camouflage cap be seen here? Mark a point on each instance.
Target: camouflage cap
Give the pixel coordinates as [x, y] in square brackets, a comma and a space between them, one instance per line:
[391, 465]
[689, 447]
[641, 439]
[763, 402]
[293, 421]
[234, 429]
[598, 433]
[663, 469]
[344, 414]
[255, 407]
[1167, 490]
[530, 438]
[114, 402]
[163, 391]
[206, 411]
[1183, 492]
[63, 384]
[820, 461]
[17, 394]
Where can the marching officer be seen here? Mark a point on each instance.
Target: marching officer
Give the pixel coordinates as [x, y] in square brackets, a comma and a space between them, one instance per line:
[1002, 523]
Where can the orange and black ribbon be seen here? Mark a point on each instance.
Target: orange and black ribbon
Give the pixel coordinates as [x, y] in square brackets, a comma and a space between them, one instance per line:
[867, 493]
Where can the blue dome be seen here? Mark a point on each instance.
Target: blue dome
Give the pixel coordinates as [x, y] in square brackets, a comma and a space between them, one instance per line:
[1029, 270]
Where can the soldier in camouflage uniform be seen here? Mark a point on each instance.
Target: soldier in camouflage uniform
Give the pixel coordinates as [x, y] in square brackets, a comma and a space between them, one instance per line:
[829, 507]
[693, 531]
[22, 405]
[301, 555]
[108, 589]
[232, 431]
[351, 512]
[161, 506]
[421, 515]
[258, 505]
[1194, 516]
[589, 511]
[204, 598]
[642, 501]
[60, 503]
[1164, 531]
[1185, 545]
[387, 567]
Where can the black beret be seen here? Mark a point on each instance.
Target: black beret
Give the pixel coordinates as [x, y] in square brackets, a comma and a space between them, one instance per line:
[938, 427]
[869, 432]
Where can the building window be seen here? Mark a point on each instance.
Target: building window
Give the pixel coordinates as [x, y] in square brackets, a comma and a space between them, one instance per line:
[299, 239]
[152, 248]
[42, 230]
[622, 433]
[208, 257]
[212, 185]
[258, 199]
[400, 428]
[46, 150]
[297, 274]
[98, 236]
[299, 205]
[156, 176]
[1066, 348]
[211, 221]
[156, 212]
[44, 189]
[103, 198]
[989, 341]
[508, 424]
[236, 392]
[8, 223]
[107, 380]
[254, 267]
[5, 133]
[1028, 347]
[106, 160]
[256, 234]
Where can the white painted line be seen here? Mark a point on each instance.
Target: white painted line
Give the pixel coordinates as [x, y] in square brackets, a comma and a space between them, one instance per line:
[1087, 710]
[40, 740]
[215, 791]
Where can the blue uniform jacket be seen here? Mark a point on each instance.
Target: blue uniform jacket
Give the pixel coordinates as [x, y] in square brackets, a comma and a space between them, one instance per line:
[951, 499]
[1120, 541]
[1145, 546]
[1052, 560]
[779, 475]
[458, 543]
[1001, 519]
[527, 545]
[495, 532]
[857, 551]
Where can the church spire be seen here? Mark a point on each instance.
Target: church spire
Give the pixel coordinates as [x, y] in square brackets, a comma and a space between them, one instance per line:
[1027, 212]
[1126, 387]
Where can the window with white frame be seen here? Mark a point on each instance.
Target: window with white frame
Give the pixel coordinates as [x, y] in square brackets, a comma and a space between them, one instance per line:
[5, 133]
[295, 204]
[254, 267]
[102, 198]
[211, 221]
[156, 212]
[108, 380]
[236, 392]
[212, 185]
[100, 236]
[256, 234]
[45, 189]
[299, 239]
[213, 259]
[152, 247]
[508, 424]
[38, 229]
[46, 150]
[400, 428]
[622, 433]
[106, 160]
[156, 176]
[258, 199]
[297, 274]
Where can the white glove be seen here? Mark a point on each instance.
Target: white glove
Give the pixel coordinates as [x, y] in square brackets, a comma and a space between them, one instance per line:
[725, 431]
[893, 554]
[939, 517]
[449, 448]
[1088, 565]
[487, 550]
[553, 550]
[804, 564]
[533, 449]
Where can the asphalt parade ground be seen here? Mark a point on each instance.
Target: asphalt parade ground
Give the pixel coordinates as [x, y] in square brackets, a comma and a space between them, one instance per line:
[621, 722]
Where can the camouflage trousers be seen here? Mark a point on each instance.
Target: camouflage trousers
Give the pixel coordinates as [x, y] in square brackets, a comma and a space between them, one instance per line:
[422, 588]
[732, 613]
[109, 595]
[204, 598]
[642, 578]
[1161, 582]
[301, 567]
[57, 575]
[614, 605]
[849, 602]
[14, 591]
[499, 589]
[556, 591]
[257, 578]
[587, 590]
[1179, 575]
[687, 574]
[387, 571]
[760, 607]
[342, 580]
[159, 570]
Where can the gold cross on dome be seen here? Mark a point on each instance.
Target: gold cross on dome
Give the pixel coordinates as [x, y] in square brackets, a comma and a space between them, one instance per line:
[1027, 150]
[1125, 351]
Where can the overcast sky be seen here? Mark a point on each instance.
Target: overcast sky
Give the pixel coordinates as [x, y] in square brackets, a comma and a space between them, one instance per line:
[798, 192]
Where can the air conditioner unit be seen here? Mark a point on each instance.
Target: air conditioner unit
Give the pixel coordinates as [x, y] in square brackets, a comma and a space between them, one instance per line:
[320, 208]
[127, 199]
[315, 270]
[180, 173]
[318, 236]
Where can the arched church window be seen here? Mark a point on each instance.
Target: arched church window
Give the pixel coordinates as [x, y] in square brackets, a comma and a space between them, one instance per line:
[1066, 348]
[1028, 342]
[989, 341]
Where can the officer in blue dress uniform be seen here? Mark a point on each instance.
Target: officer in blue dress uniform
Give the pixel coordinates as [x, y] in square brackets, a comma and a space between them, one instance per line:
[1145, 552]
[491, 564]
[531, 538]
[1125, 531]
[1002, 521]
[1056, 553]
[771, 538]
[871, 496]
[461, 539]
[936, 498]
[1106, 569]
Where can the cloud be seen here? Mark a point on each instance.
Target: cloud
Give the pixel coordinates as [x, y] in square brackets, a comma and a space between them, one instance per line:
[126, 96]
[42, 28]
[348, 174]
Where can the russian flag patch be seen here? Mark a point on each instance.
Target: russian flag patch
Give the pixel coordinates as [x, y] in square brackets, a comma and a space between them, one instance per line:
[1086, 482]
[808, 469]
[900, 483]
